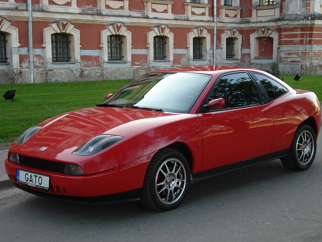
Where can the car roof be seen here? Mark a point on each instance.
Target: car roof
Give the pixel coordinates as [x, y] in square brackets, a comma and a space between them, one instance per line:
[203, 69]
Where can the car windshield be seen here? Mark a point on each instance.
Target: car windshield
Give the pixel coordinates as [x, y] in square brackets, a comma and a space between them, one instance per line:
[169, 92]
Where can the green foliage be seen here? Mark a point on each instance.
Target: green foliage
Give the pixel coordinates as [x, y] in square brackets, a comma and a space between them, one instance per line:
[34, 103]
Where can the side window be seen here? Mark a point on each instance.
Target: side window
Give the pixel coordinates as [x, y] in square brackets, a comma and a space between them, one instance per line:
[273, 88]
[237, 89]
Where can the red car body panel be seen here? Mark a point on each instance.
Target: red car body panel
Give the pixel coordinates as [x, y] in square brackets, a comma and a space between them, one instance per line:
[212, 139]
[239, 129]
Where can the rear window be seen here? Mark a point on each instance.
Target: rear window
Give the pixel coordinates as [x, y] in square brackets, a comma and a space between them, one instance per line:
[273, 88]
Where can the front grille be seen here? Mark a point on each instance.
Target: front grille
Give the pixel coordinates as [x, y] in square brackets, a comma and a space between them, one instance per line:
[41, 164]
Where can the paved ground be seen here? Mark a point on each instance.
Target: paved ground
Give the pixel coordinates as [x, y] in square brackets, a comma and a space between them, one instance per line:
[4, 182]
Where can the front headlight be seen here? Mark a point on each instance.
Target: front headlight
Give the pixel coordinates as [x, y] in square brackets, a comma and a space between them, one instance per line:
[27, 134]
[97, 144]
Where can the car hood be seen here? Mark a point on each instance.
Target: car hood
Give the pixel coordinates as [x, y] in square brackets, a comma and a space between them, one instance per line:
[65, 133]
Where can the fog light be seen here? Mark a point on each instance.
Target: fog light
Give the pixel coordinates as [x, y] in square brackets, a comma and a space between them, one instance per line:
[14, 157]
[73, 170]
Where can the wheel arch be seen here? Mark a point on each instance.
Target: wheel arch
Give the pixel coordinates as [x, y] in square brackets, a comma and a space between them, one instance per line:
[311, 122]
[184, 150]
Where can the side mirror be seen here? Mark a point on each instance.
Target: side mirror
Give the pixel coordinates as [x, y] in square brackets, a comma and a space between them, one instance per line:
[108, 95]
[215, 104]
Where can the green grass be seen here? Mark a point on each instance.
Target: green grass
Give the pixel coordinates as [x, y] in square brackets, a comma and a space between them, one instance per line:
[34, 103]
[311, 83]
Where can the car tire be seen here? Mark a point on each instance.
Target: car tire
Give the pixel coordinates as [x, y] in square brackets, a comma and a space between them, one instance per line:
[167, 180]
[302, 152]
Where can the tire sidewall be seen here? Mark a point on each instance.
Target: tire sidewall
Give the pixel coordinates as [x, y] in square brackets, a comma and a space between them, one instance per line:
[297, 163]
[156, 162]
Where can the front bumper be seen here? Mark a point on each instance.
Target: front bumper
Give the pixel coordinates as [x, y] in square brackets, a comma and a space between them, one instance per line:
[116, 184]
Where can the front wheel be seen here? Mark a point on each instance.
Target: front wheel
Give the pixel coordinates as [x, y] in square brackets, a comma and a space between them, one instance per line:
[167, 180]
[303, 149]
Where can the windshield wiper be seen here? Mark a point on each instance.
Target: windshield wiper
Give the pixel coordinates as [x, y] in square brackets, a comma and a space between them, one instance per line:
[110, 105]
[151, 109]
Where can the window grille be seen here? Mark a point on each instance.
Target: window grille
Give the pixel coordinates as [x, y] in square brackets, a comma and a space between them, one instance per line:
[159, 48]
[60, 48]
[230, 46]
[197, 48]
[115, 47]
[3, 49]
[228, 3]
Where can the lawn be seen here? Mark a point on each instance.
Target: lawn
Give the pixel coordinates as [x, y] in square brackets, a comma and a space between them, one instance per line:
[311, 83]
[34, 103]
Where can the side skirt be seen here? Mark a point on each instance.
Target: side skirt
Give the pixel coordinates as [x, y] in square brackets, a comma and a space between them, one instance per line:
[198, 176]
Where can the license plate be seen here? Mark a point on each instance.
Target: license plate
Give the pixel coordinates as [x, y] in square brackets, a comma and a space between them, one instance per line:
[32, 179]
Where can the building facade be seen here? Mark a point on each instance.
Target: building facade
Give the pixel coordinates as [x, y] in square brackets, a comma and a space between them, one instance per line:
[76, 40]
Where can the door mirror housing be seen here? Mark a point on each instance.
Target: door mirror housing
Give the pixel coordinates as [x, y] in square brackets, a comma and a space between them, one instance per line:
[108, 95]
[215, 104]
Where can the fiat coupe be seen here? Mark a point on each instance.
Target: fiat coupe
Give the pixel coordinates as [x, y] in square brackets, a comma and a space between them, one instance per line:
[154, 137]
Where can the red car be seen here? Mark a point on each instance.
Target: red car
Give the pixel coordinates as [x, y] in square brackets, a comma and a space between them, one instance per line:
[156, 135]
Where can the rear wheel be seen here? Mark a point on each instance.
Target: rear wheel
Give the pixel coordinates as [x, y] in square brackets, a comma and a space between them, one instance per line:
[166, 181]
[303, 149]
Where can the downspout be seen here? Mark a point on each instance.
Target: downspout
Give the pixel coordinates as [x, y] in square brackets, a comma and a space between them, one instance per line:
[215, 31]
[30, 46]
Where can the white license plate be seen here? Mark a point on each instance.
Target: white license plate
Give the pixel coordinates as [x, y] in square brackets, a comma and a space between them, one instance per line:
[32, 179]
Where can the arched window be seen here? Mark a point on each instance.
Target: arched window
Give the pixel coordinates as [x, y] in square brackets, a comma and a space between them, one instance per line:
[9, 44]
[3, 48]
[198, 44]
[62, 42]
[160, 45]
[265, 47]
[264, 44]
[60, 47]
[231, 45]
[116, 43]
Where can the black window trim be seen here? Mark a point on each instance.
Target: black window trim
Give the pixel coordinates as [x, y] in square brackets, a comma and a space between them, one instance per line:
[266, 97]
[261, 94]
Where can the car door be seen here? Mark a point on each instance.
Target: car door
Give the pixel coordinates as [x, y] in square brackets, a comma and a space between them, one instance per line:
[242, 129]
